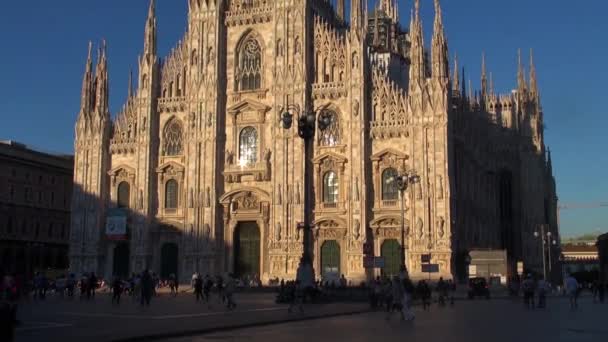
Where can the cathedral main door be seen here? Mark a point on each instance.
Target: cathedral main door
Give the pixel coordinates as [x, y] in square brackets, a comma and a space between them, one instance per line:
[330, 260]
[169, 260]
[391, 252]
[247, 249]
[121, 261]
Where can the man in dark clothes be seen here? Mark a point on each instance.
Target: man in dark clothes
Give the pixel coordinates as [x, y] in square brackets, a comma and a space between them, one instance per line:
[147, 285]
[8, 321]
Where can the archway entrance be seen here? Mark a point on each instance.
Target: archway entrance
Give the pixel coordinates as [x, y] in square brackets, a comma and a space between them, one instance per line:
[391, 252]
[247, 249]
[121, 261]
[330, 260]
[169, 260]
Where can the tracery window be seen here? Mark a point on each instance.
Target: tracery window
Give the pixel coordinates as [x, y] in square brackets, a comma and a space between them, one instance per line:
[171, 194]
[124, 191]
[249, 72]
[248, 146]
[172, 138]
[389, 186]
[331, 135]
[330, 187]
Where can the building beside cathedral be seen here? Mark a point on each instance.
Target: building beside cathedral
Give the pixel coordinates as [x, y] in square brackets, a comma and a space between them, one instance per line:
[196, 172]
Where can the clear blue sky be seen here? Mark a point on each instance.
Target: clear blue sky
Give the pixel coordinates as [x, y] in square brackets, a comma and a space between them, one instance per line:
[44, 47]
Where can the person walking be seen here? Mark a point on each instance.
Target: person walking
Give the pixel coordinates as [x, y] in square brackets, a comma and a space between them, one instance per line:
[528, 289]
[297, 297]
[117, 288]
[147, 285]
[571, 285]
[198, 288]
[408, 295]
[219, 283]
[207, 286]
[442, 292]
[229, 292]
[542, 288]
[397, 299]
[173, 284]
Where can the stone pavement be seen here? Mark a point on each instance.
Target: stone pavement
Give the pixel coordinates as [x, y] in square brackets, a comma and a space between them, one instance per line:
[496, 321]
[65, 320]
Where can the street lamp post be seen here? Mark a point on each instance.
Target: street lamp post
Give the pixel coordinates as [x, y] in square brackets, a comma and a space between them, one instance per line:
[402, 182]
[307, 120]
[546, 244]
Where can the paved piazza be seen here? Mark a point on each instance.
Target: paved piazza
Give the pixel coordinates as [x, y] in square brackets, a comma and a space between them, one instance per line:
[496, 320]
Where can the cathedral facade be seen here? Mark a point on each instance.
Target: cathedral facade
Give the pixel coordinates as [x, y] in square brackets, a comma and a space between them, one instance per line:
[197, 173]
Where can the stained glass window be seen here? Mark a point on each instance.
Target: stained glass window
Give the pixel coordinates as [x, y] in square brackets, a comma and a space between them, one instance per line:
[330, 187]
[248, 146]
[249, 73]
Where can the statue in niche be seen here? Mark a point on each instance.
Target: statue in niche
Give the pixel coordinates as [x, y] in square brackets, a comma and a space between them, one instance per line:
[439, 187]
[356, 108]
[207, 232]
[192, 118]
[279, 195]
[356, 189]
[267, 155]
[278, 231]
[208, 198]
[441, 227]
[420, 228]
[229, 158]
[357, 230]
[209, 119]
[418, 191]
[298, 234]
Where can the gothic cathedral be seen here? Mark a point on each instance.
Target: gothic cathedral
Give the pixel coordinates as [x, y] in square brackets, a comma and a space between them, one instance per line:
[197, 174]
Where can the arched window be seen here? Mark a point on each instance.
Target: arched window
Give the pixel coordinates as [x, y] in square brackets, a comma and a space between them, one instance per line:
[331, 135]
[249, 72]
[330, 187]
[172, 138]
[389, 186]
[248, 146]
[171, 194]
[124, 192]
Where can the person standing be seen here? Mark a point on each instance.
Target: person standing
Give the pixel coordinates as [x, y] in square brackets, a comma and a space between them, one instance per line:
[147, 285]
[528, 288]
[92, 285]
[198, 288]
[571, 286]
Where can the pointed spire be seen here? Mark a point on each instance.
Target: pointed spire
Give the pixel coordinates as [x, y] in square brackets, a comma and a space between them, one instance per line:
[484, 77]
[130, 95]
[549, 161]
[150, 31]
[464, 90]
[521, 76]
[456, 77]
[356, 14]
[417, 56]
[376, 39]
[86, 95]
[340, 10]
[533, 81]
[492, 91]
[441, 69]
[471, 94]
[101, 82]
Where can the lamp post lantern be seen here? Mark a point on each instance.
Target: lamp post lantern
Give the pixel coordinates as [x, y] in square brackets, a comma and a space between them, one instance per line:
[546, 244]
[307, 121]
[402, 182]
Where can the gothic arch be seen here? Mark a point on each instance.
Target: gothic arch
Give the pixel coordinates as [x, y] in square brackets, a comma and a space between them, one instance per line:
[173, 137]
[249, 62]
